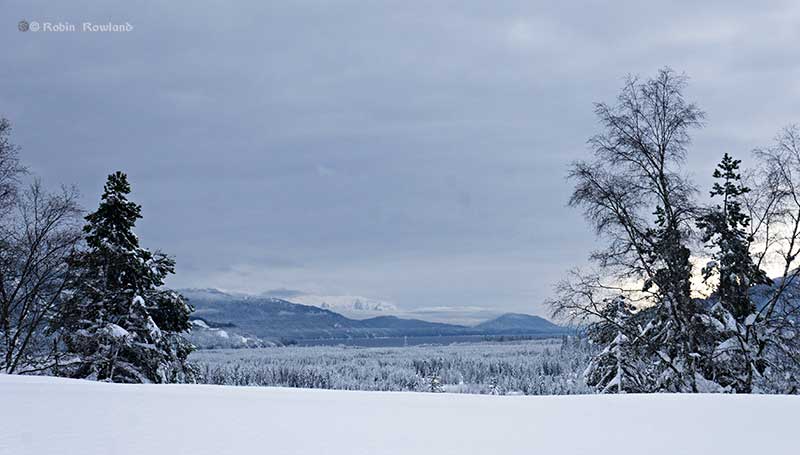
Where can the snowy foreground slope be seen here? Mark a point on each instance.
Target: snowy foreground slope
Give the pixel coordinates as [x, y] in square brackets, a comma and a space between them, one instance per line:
[59, 416]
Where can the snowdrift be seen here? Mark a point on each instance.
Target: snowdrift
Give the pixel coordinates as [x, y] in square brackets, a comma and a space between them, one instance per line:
[40, 415]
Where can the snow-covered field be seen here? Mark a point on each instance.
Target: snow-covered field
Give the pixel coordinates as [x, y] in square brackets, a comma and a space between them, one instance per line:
[41, 415]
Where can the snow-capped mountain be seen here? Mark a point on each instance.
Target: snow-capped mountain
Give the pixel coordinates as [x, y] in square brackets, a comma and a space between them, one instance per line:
[347, 304]
[353, 306]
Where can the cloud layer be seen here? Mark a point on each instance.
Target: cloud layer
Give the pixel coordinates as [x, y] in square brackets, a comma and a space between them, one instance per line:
[404, 151]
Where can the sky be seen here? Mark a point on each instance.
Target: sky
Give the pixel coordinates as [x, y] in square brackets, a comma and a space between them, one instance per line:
[411, 152]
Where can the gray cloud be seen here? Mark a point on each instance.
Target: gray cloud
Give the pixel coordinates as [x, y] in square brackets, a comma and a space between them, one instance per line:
[406, 151]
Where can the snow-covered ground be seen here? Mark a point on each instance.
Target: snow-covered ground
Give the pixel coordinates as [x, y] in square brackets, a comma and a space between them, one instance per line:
[41, 415]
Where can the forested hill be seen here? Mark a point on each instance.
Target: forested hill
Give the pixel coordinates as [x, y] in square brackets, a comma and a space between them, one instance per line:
[518, 323]
[274, 319]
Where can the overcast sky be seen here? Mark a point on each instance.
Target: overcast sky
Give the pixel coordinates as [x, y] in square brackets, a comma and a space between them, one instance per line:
[413, 152]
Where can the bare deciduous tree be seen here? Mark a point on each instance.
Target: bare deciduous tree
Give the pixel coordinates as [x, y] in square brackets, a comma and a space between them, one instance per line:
[774, 206]
[38, 231]
[636, 197]
[10, 168]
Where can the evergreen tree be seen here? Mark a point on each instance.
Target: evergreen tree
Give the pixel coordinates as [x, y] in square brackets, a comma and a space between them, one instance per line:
[723, 229]
[119, 321]
[732, 349]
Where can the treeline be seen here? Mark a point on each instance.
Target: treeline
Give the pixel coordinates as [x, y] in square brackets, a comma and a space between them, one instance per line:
[80, 297]
[679, 297]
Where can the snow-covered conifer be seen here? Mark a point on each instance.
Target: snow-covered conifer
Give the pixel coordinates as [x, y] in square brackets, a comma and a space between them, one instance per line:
[119, 321]
[732, 322]
[723, 228]
[615, 368]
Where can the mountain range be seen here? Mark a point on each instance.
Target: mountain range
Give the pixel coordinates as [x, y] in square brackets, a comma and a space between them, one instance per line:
[226, 318]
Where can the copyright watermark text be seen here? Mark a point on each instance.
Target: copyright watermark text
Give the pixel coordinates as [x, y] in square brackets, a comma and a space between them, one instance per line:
[69, 27]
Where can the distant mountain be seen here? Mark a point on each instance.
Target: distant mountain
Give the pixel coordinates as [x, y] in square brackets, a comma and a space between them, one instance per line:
[412, 327]
[510, 323]
[349, 305]
[398, 323]
[461, 315]
[267, 317]
[259, 318]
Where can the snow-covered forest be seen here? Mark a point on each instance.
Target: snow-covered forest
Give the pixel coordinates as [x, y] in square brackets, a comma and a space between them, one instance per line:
[543, 367]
